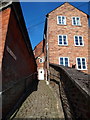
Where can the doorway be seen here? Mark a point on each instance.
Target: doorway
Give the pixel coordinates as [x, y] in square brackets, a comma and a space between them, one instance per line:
[41, 74]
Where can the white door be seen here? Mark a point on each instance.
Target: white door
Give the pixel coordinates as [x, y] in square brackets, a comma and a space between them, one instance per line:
[41, 74]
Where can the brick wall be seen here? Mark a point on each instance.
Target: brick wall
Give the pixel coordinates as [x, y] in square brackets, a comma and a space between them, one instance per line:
[38, 52]
[71, 51]
[17, 64]
[4, 19]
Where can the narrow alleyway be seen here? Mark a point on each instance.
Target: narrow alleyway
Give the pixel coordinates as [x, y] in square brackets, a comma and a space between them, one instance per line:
[40, 104]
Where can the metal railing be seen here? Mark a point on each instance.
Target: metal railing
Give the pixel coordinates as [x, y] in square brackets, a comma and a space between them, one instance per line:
[3, 91]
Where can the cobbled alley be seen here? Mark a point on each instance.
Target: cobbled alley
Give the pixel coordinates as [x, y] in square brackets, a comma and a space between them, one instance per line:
[41, 104]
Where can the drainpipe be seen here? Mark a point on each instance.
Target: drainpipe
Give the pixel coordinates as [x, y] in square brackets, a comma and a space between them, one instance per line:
[47, 54]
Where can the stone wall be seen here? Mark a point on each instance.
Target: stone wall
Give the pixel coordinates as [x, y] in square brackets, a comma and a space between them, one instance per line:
[72, 87]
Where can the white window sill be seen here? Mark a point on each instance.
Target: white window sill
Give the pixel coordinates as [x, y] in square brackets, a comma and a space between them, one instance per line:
[79, 45]
[61, 24]
[78, 25]
[62, 45]
[81, 69]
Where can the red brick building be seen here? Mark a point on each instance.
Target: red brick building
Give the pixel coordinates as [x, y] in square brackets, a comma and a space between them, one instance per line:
[16, 55]
[66, 37]
[39, 56]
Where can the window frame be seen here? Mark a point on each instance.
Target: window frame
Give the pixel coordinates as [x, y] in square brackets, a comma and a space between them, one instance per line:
[64, 61]
[63, 41]
[78, 40]
[40, 59]
[81, 63]
[61, 19]
[76, 21]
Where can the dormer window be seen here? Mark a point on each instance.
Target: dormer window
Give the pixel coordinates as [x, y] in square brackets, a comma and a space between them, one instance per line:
[76, 21]
[61, 20]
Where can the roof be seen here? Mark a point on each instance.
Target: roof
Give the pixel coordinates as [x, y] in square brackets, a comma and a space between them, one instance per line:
[63, 4]
[5, 3]
[38, 44]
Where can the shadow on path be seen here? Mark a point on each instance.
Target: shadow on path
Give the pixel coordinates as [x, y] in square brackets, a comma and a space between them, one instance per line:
[33, 87]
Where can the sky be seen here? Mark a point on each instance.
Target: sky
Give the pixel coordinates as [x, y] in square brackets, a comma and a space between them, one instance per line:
[35, 13]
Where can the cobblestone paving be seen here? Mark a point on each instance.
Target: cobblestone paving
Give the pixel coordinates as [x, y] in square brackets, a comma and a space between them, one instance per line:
[39, 104]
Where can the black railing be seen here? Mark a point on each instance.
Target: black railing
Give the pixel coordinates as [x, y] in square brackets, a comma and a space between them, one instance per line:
[17, 82]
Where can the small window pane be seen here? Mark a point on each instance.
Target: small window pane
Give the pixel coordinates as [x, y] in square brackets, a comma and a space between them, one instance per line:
[61, 61]
[78, 21]
[79, 63]
[60, 40]
[83, 63]
[76, 38]
[74, 22]
[66, 61]
[79, 66]
[81, 43]
[80, 40]
[84, 67]
[59, 19]
[60, 37]
[64, 40]
[76, 42]
[83, 59]
[63, 20]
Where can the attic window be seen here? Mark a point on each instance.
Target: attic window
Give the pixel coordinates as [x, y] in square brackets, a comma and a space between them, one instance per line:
[76, 21]
[61, 20]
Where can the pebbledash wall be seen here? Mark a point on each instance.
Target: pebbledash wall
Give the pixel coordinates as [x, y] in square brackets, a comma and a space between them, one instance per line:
[17, 59]
[54, 29]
